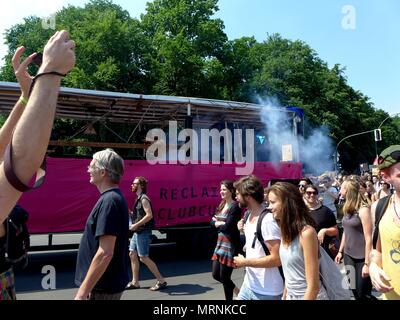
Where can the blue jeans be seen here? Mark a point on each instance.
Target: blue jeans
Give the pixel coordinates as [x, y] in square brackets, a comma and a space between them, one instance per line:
[140, 243]
[247, 294]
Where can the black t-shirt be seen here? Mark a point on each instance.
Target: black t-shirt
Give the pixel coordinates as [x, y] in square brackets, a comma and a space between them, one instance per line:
[108, 217]
[325, 218]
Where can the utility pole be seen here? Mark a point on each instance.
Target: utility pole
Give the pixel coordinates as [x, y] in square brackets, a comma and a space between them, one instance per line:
[337, 146]
[380, 133]
[393, 115]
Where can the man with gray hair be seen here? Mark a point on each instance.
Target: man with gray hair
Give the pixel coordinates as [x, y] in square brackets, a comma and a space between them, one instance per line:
[102, 263]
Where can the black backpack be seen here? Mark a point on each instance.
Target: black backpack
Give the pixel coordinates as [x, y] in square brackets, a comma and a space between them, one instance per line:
[379, 211]
[17, 237]
[258, 235]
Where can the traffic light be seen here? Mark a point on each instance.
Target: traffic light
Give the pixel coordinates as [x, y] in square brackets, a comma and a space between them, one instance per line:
[378, 134]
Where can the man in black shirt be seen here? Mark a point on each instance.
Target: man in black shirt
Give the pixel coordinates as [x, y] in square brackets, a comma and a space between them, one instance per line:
[102, 264]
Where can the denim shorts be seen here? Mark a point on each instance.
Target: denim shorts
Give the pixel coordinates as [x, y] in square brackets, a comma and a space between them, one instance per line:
[247, 294]
[140, 243]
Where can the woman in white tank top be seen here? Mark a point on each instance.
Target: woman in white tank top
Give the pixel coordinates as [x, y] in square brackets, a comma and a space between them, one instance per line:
[299, 246]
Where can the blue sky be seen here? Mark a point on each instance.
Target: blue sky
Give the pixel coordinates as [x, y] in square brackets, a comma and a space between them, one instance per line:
[369, 49]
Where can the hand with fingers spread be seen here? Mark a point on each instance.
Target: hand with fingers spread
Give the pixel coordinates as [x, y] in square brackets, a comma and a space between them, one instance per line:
[21, 70]
[28, 129]
[58, 54]
[380, 280]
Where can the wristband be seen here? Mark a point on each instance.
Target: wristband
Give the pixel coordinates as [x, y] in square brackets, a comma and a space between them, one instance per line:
[41, 75]
[23, 100]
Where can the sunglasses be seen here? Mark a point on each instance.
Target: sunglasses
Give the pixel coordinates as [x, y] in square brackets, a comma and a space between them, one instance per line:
[301, 185]
[395, 155]
[309, 193]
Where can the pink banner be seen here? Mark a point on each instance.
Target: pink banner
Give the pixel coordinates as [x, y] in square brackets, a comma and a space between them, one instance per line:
[180, 194]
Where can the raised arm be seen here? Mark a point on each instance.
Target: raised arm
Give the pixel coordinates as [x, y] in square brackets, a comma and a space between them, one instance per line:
[32, 133]
[24, 80]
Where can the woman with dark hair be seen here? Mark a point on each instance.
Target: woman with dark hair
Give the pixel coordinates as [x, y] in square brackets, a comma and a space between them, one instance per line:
[356, 241]
[384, 191]
[225, 220]
[326, 226]
[299, 246]
[303, 183]
[364, 191]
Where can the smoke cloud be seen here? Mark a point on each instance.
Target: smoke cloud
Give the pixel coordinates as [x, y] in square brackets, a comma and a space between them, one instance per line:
[315, 151]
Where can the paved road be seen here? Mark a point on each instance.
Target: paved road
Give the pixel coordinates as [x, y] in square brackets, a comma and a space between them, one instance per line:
[189, 278]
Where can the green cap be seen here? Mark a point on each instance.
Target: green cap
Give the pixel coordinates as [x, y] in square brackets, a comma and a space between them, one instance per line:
[387, 158]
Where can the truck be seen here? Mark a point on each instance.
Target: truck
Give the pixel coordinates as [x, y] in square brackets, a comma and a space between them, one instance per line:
[184, 146]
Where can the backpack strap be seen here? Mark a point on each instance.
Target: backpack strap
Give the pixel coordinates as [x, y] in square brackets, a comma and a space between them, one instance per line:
[12, 177]
[379, 211]
[258, 236]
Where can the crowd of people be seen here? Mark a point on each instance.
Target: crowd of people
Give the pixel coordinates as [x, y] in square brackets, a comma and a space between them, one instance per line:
[300, 219]
[285, 226]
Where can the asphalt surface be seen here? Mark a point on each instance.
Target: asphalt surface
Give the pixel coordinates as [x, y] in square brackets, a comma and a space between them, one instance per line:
[189, 277]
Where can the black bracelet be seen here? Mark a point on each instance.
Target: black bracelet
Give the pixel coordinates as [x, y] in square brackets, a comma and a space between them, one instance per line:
[43, 74]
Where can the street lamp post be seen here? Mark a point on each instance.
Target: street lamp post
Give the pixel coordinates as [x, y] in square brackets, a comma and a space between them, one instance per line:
[390, 116]
[337, 146]
[357, 134]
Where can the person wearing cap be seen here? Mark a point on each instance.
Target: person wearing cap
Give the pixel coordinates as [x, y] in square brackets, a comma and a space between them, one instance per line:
[384, 265]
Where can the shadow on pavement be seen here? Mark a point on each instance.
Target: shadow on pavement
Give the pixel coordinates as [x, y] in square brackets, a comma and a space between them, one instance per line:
[186, 289]
[171, 262]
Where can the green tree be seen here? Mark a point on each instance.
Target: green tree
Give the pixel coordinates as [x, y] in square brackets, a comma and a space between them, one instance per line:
[292, 72]
[237, 70]
[109, 46]
[186, 46]
[178, 48]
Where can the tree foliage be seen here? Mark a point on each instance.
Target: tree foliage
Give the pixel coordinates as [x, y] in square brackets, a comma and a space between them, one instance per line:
[178, 48]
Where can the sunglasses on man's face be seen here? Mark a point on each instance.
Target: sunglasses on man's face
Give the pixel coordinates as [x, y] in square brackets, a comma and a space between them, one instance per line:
[395, 155]
[302, 185]
[309, 193]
